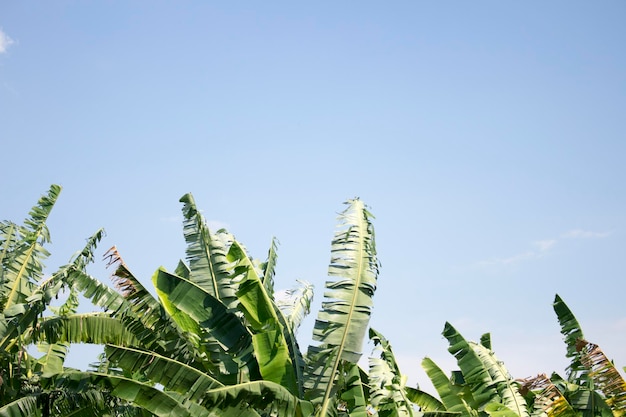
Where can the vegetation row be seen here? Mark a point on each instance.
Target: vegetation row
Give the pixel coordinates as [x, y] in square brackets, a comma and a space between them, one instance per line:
[218, 340]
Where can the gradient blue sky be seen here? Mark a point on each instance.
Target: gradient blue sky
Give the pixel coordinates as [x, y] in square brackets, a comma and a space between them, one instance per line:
[487, 138]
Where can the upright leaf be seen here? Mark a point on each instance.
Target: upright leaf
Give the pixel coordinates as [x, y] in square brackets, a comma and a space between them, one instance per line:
[269, 268]
[385, 380]
[23, 267]
[342, 322]
[450, 394]
[506, 386]
[477, 377]
[573, 334]
[206, 255]
[270, 346]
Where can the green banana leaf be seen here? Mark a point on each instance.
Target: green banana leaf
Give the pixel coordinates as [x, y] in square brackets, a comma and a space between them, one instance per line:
[142, 395]
[97, 328]
[451, 395]
[269, 268]
[222, 339]
[22, 407]
[173, 375]
[353, 391]
[573, 334]
[270, 346]
[508, 389]
[386, 383]
[291, 309]
[265, 396]
[476, 376]
[342, 322]
[22, 265]
[206, 255]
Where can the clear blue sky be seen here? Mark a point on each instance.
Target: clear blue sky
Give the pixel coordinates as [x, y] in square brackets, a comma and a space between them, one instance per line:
[487, 138]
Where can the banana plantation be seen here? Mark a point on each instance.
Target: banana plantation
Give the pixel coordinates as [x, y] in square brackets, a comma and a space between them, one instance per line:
[213, 338]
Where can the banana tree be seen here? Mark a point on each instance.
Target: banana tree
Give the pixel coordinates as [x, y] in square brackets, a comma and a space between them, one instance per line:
[217, 339]
[592, 387]
[26, 295]
[482, 386]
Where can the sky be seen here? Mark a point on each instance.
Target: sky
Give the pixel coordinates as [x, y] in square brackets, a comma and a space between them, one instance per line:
[486, 137]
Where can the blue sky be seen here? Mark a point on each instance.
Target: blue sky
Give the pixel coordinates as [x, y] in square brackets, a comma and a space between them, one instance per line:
[486, 137]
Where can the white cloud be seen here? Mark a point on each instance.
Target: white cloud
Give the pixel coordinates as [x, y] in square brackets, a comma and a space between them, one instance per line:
[584, 234]
[511, 259]
[545, 244]
[5, 41]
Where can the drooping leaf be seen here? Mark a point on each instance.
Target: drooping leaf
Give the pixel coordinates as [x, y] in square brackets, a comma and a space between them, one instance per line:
[139, 393]
[222, 338]
[173, 375]
[22, 407]
[96, 328]
[606, 377]
[268, 397]
[547, 400]
[425, 401]
[295, 304]
[145, 316]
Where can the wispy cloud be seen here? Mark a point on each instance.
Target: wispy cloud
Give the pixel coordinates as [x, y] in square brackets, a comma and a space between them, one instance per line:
[5, 41]
[524, 256]
[584, 234]
[543, 247]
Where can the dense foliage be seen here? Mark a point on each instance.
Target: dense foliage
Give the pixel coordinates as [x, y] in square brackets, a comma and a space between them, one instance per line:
[218, 340]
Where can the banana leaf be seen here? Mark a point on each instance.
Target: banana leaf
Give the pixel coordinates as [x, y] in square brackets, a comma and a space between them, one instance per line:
[386, 383]
[508, 389]
[476, 376]
[342, 322]
[573, 334]
[22, 265]
[270, 346]
[222, 339]
[209, 268]
[451, 395]
[142, 395]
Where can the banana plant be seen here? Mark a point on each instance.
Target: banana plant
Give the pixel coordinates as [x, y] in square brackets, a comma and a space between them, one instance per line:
[592, 387]
[482, 386]
[217, 339]
[25, 296]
